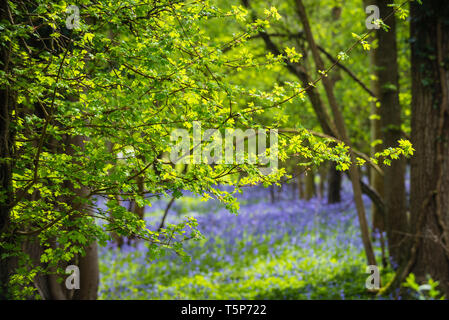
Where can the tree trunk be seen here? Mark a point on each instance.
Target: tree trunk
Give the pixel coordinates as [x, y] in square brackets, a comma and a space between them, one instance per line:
[430, 136]
[272, 194]
[334, 184]
[376, 180]
[385, 58]
[310, 185]
[48, 286]
[89, 274]
[342, 135]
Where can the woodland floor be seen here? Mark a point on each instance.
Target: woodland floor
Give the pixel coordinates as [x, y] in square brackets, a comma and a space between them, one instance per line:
[286, 249]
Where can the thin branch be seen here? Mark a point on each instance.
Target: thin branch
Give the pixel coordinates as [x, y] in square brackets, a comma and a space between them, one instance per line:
[325, 136]
[166, 213]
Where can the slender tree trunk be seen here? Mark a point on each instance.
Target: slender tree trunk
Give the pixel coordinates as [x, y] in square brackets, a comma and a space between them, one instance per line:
[376, 180]
[385, 57]
[310, 185]
[272, 194]
[334, 184]
[334, 176]
[341, 129]
[430, 137]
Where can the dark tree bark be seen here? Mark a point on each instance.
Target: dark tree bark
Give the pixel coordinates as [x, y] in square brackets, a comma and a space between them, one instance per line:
[385, 60]
[334, 184]
[430, 137]
[7, 102]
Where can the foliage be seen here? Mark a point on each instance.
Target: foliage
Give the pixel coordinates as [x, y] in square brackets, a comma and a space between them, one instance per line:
[426, 291]
[95, 106]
